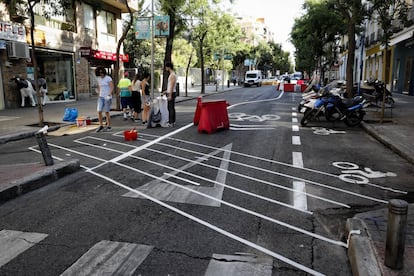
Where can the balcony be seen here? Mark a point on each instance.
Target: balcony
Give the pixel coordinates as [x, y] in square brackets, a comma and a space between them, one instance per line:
[121, 5]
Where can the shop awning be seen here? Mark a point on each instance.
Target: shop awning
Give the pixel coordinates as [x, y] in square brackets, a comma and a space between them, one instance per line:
[87, 52]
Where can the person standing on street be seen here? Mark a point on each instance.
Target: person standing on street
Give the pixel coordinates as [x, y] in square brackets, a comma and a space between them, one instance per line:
[172, 80]
[136, 97]
[146, 98]
[125, 92]
[105, 90]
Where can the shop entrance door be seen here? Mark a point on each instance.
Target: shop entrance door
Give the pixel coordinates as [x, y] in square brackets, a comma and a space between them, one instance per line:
[408, 77]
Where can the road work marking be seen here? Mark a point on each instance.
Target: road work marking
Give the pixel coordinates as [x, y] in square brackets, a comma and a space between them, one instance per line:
[300, 200]
[213, 227]
[296, 140]
[13, 243]
[110, 258]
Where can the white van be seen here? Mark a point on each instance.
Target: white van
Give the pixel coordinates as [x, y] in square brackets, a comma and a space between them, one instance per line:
[253, 77]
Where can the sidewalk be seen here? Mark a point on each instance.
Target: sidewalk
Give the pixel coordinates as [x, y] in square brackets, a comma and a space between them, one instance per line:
[366, 251]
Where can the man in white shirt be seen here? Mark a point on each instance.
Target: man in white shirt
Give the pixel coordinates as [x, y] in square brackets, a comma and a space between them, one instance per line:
[105, 90]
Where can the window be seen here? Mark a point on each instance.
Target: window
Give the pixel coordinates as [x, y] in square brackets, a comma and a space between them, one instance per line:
[88, 17]
[107, 22]
[62, 18]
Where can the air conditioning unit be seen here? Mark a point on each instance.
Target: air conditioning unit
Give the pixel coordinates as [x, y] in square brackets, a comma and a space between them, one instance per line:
[18, 50]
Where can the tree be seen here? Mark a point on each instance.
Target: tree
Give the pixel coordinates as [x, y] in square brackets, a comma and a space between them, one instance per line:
[126, 27]
[313, 33]
[18, 9]
[352, 13]
[387, 11]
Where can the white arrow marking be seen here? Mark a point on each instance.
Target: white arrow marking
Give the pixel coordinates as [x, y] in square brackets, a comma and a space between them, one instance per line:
[167, 192]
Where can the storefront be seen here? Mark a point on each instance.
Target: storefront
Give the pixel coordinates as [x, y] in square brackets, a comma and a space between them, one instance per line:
[403, 62]
[57, 68]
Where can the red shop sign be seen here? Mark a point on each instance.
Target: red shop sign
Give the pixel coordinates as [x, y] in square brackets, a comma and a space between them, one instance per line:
[109, 56]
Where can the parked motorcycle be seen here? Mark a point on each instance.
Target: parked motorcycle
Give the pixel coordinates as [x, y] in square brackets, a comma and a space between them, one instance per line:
[375, 92]
[334, 107]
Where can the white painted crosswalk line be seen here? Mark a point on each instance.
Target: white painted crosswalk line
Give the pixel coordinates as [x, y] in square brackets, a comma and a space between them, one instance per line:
[239, 265]
[13, 243]
[110, 258]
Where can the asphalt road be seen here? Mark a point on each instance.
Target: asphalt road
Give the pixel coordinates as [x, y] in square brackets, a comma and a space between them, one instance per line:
[266, 196]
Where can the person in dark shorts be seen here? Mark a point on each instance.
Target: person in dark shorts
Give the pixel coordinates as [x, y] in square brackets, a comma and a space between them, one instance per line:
[136, 97]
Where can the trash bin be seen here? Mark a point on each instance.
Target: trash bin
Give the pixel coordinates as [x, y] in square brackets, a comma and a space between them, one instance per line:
[177, 89]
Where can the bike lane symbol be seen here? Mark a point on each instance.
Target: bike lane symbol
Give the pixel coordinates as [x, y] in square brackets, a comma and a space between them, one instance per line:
[352, 174]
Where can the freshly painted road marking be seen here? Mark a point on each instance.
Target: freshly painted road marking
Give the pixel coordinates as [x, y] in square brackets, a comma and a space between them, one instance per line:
[213, 227]
[258, 101]
[110, 258]
[296, 140]
[13, 243]
[245, 264]
[295, 120]
[295, 128]
[166, 192]
[300, 200]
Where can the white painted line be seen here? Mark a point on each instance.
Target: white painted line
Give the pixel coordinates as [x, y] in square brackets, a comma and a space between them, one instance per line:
[249, 177]
[297, 159]
[13, 243]
[110, 258]
[296, 140]
[287, 175]
[131, 152]
[244, 192]
[294, 108]
[294, 114]
[215, 228]
[300, 200]
[299, 197]
[259, 101]
[251, 128]
[295, 128]
[295, 120]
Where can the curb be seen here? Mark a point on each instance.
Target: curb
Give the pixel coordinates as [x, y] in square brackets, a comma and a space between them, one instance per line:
[370, 130]
[38, 179]
[361, 252]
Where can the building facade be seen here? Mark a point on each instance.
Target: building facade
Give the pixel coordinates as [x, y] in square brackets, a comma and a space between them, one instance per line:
[395, 67]
[68, 49]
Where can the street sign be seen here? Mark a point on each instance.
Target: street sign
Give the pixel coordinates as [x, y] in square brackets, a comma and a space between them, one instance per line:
[143, 28]
[162, 26]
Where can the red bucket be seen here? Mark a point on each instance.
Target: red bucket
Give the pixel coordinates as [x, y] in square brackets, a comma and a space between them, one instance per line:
[130, 135]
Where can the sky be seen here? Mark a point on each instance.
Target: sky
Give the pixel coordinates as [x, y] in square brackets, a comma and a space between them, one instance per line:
[279, 16]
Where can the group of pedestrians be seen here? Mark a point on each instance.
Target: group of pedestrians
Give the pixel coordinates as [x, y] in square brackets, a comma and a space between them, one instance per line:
[134, 95]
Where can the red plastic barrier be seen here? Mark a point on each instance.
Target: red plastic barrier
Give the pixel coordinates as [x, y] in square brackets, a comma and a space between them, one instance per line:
[213, 116]
[303, 87]
[300, 82]
[288, 87]
[197, 113]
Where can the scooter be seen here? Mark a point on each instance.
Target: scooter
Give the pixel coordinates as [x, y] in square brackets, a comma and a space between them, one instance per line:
[375, 92]
[333, 107]
[349, 110]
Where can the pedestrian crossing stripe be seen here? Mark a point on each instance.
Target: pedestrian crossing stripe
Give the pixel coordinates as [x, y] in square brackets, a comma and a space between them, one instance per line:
[110, 258]
[13, 243]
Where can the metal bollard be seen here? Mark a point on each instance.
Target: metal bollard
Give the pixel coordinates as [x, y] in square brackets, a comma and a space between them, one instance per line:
[395, 242]
[44, 148]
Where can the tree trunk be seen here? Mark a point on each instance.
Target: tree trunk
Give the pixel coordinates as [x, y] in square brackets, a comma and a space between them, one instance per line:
[168, 50]
[350, 61]
[118, 48]
[187, 70]
[34, 62]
